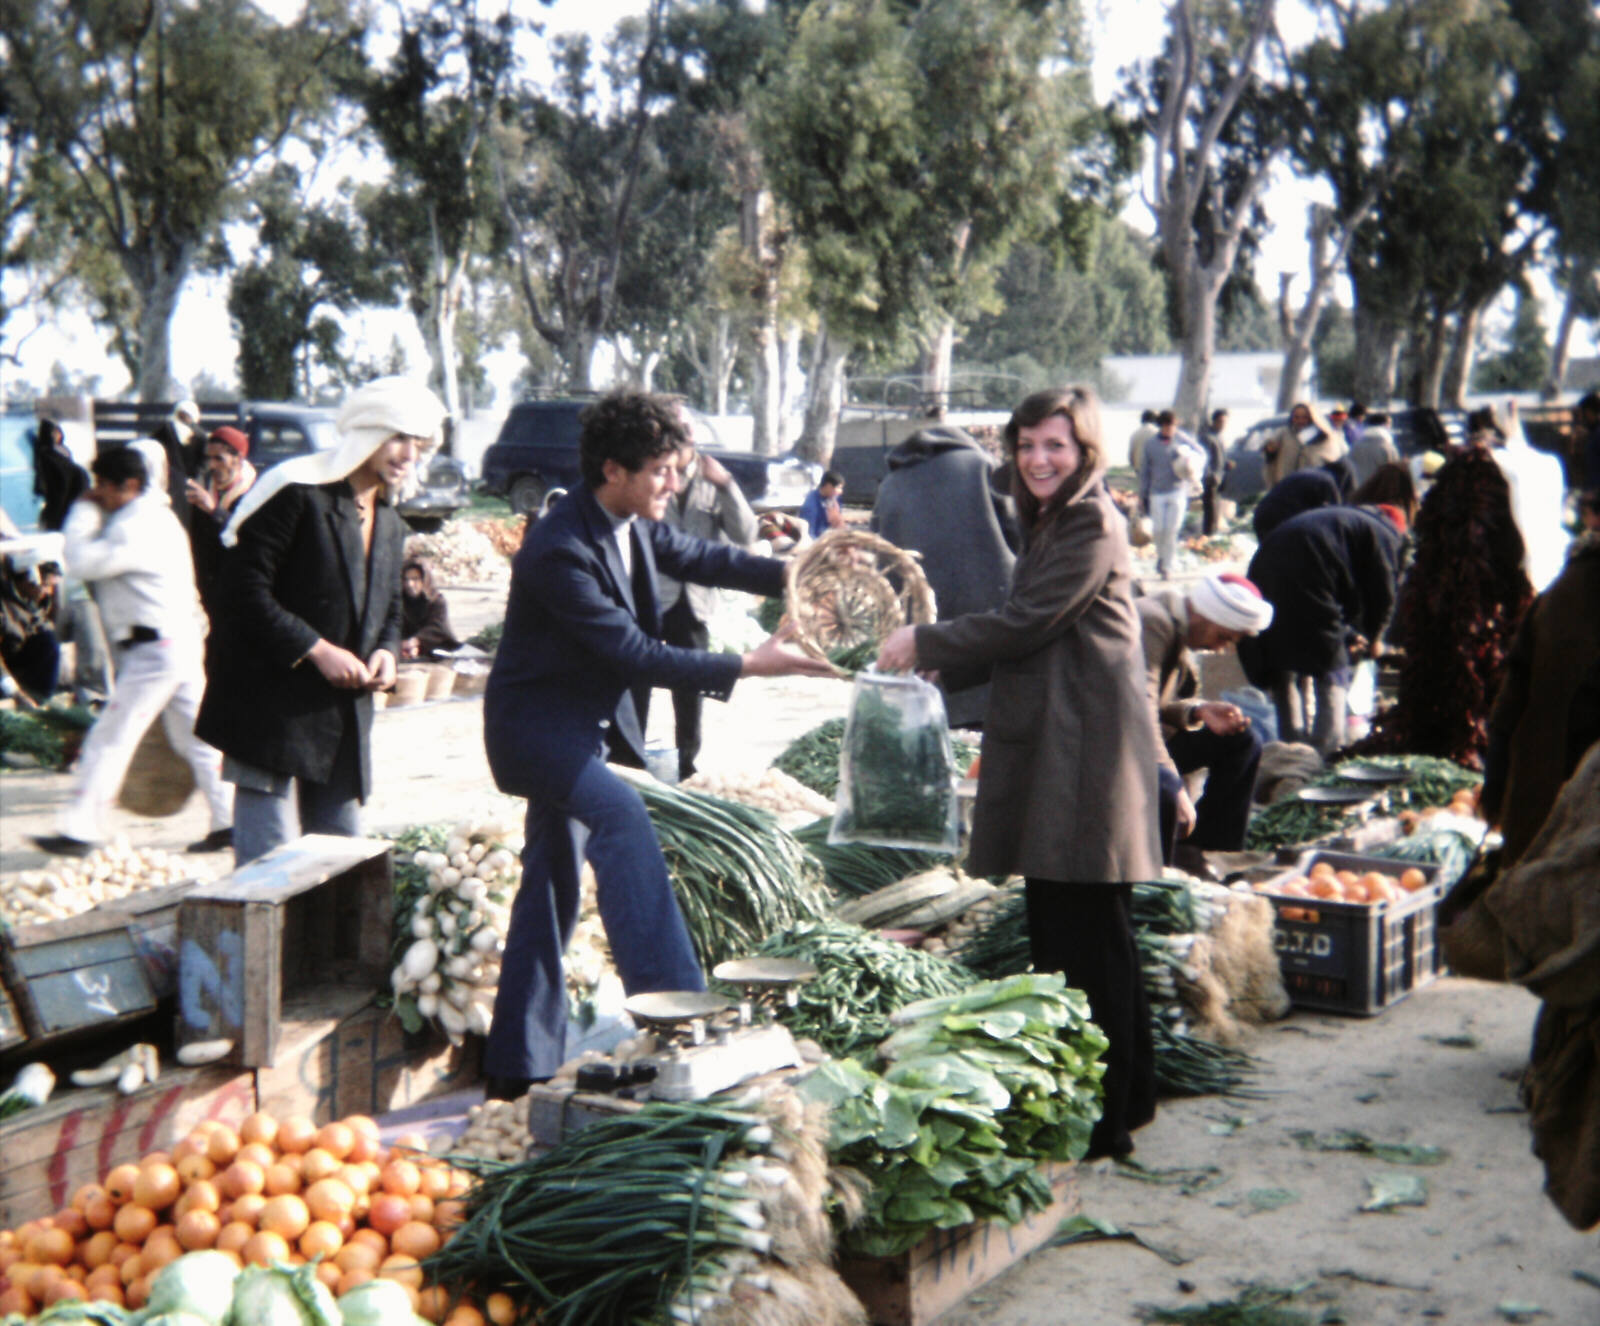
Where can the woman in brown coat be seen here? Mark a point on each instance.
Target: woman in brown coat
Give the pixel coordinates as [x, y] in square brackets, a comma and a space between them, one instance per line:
[1067, 788]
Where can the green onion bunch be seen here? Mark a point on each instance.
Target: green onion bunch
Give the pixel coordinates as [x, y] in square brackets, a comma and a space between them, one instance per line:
[660, 1216]
[813, 758]
[977, 1091]
[738, 876]
[853, 870]
[861, 979]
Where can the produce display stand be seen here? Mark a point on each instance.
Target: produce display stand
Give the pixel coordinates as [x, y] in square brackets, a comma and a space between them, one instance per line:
[949, 1264]
[298, 936]
[77, 1136]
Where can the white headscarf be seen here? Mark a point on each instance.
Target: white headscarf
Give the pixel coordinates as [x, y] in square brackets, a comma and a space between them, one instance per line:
[1232, 602]
[369, 418]
[155, 467]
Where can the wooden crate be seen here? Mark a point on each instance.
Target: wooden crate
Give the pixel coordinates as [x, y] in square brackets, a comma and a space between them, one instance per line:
[12, 1032]
[333, 1062]
[78, 1135]
[934, 1276]
[310, 921]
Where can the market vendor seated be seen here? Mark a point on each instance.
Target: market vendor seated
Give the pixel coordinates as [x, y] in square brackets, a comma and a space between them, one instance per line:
[1201, 734]
[424, 615]
[30, 655]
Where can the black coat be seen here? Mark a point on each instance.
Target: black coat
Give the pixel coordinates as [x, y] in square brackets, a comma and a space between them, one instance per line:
[1329, 573]
[297, 576]
[181, 463]
[1304, 490]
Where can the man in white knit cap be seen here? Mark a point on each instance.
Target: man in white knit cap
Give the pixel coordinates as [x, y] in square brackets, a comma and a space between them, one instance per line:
[1201, 734]
[308, 622]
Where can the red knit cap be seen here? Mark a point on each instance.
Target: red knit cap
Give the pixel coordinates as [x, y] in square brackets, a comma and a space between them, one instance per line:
[230, 436]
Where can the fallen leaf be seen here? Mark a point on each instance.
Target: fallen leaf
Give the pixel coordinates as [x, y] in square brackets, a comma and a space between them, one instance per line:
[1270, 1199]
[1514, 1311]
[1387, 1191]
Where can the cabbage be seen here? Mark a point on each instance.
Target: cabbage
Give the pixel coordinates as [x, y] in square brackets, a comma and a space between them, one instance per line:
[77, 1312]
[378, 1303]
[199, 1284]
[173, 1319]
[280, 1295]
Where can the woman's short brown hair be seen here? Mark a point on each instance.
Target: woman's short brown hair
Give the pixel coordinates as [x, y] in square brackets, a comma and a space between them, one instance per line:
[1081, 408]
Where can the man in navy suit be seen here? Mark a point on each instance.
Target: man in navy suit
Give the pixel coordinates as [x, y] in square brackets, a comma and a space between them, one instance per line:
[571, 683]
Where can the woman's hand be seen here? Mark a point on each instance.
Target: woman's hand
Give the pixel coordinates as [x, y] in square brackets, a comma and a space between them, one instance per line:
[898, 653]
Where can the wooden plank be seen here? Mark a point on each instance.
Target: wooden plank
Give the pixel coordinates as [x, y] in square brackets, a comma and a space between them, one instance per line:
[12, 1032]
[80, 1134]
[67, 985]
[293, 868]
[939, 1272]
[362, 1063]
[110, 915]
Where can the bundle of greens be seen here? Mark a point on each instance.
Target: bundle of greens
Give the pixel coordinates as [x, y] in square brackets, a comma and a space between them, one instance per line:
[1291, 823]
[49, 736]
[854, 870]
[977, 1091]
[813, 758]
[1001, 947]
[897, 770]
[861, 980]
[677, 1213]
[738, 876]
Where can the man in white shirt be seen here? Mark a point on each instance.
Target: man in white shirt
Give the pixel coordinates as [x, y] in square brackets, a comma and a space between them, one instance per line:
[128, 546]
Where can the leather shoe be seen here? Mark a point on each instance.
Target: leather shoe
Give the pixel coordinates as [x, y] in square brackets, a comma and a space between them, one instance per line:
[214, 841]
[58, 844]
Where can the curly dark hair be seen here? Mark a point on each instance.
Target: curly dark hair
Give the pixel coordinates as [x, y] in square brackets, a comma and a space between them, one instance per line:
[631, 428]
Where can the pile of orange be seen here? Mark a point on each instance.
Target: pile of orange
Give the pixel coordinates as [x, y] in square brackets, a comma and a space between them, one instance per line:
[1329, 884]
[271, 1191]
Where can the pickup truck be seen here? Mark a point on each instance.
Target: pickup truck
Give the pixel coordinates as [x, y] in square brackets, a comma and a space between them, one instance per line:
[537, 452]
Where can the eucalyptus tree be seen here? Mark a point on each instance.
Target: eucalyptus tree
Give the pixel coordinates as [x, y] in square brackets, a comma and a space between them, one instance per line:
[155, 124]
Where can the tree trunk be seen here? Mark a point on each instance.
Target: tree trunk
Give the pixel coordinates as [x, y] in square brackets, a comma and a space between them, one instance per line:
[766, 389]
[1199, 346]
[1377, 354]
[936, 356]
[791, 383]
[722, 363]
[1560, 352]
[159, 284]
[1430, 379]
[1458, 368]
[824, 400]
[578, 351]
[1298, 328]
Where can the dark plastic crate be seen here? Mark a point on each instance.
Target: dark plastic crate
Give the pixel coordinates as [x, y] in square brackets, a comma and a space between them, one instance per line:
[1358, 957]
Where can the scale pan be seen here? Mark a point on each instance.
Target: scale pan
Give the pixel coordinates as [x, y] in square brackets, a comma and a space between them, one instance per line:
[1373, 773]
[764, 971]
[670, 1006]
[1336, 796]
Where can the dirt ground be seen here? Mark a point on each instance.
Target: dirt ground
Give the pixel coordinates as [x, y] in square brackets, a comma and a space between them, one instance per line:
[1437, 1069]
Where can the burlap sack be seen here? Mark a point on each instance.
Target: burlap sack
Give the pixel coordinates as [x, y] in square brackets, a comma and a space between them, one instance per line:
[159, 780]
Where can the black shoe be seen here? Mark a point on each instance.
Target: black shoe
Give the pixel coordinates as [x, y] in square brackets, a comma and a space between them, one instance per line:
[58, 844]
[214, 841]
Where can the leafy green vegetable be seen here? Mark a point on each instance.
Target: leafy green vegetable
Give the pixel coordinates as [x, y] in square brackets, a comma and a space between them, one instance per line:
[855, 869]
[282, 1296]
[1387, 1191]
[198, 1283]
[1256, 1305]
[1396, 1153]
[977, 1090]
[378, 1303]
[900, 787]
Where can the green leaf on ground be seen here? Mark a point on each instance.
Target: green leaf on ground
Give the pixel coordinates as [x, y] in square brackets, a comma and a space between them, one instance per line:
[1387, 1191]
[1514, 1311]
[1463, 1041]
[1226, 1125]
[1185, 1179]
[1270, 1199]
[1348, 1139]
[1091, 1229]
[1256, 1305]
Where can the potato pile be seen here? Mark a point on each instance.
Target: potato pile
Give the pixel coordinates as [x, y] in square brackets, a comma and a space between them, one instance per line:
[496, 1130]
[771, 789]
[67, 887]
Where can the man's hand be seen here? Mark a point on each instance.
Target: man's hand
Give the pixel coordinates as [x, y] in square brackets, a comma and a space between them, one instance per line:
[835, 513]
[409, 648]
[380, 670]
[1186, 814]
[898, 652]
[339, 667]
[1221, 718]
[714, 470]
[200, 496]
[775, 657]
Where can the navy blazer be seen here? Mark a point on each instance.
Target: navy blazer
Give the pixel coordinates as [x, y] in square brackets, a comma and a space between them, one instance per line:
[582, 645]
[295, 577]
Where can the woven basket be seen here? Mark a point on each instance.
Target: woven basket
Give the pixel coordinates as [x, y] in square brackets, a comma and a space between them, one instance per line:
[850, 589]
[441, 681]
[410, 687]
[159, 781]
[473, 682]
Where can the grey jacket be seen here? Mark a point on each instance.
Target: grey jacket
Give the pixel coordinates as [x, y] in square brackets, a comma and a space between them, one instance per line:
[719, 515]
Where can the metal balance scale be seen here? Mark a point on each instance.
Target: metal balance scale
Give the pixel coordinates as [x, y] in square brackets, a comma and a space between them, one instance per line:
[706, 1043]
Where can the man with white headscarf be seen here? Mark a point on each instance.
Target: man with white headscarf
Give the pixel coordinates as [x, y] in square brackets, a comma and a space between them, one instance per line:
[122, 539]
[308, 624]
[1213, 735]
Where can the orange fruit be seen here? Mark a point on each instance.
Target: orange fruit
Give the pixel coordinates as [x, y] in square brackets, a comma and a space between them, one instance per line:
[223, 1145]
[194, 1167]
[119, 1183]
[330, 1275]
[72, 1222]
[379, 1243]
[95, 1251]
[233, 1236]
[357, 1256]
[121, 1253]
[198, 1229]
[388, 1212]
[257, 1153]
[54, 1246]
[330, 1200]
[422, 1207]
[501, 1309]
[401, 1269]
[283, 1177]
[401, 1176]
[321, 1240]
[296, 1135]
[161, 1249]
[259, 1127]
[464, 1314]
[348, 1280]
[318, 1163]
[242, 1178]
[1412, 879]
[138, 1293]
[452, 1211]
[134, 1223]
[433, 1303]
[106, 1292]
[63, 1289]
[264, 1247]
[81, 1198]
[336, 1139]
[285, 1215]
[435, 1181]
[157, 1186]
[415, 1239]
[131, 1269]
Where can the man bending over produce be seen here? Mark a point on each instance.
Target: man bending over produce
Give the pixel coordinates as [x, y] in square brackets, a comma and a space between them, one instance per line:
[1201, 734]
[571, 683]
